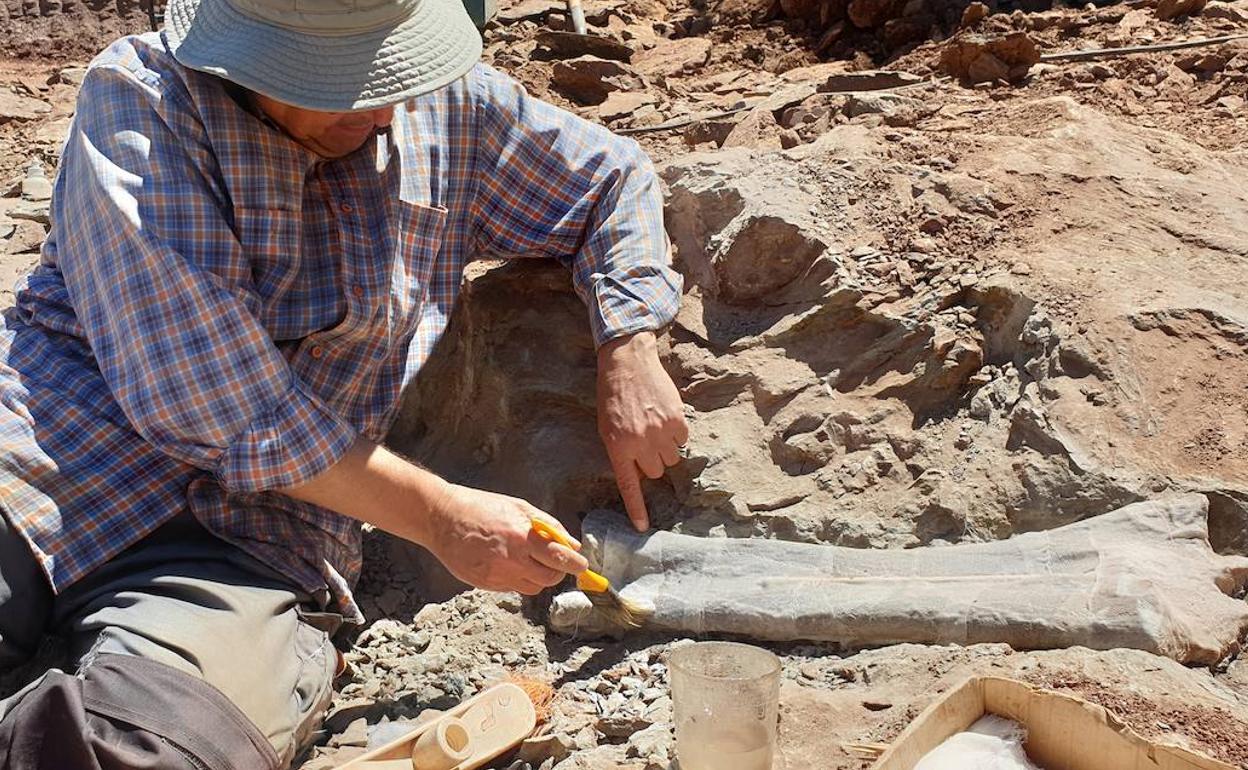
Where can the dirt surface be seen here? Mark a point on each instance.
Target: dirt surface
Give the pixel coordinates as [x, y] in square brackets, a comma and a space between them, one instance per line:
[969, 296]
[68, 30]
[1212, 730]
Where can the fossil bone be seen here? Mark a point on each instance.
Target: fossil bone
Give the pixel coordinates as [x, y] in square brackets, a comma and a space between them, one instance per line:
[1143, 576]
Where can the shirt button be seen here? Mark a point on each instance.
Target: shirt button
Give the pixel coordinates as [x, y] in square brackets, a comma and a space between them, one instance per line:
[358, 291]
[317, 351]
[346, 208]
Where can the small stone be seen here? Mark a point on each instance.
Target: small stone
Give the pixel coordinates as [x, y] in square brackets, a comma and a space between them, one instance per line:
[713, 131]
[980, 409]
[23, 237]
[71, 76]
[586, 738]
[848, 673]
[673, 57]
[602, 687]
[977, 59]
[865, 104]
[356, 734]
[866, 80]
[789, 139]
[622, 104]
[660, 710]
[346, 712]
[1173, 9]
[1226, 11]
[1207, 63]
[757, 130]
[615, 701]
[21, 108]
[631, 683]
[923, 245]
[589, 80]
[876, 705]
[430, 694]
[654, 741]
[569, 45]
[622, 726]
[556, 746]
[974, 14]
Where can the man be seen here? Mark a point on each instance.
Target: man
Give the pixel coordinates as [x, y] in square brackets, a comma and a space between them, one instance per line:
[259, 229]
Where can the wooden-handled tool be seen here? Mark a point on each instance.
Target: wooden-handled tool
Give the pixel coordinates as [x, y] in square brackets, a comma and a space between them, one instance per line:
[465, 738]
[577, 16]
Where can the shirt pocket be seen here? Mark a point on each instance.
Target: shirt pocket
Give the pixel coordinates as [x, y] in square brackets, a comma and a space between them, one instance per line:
[418, 245]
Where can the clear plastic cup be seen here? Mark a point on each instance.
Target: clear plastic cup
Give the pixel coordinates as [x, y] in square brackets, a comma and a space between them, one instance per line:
[725, 698]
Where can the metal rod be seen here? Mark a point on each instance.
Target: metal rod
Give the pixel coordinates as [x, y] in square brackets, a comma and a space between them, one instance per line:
[1105, 53]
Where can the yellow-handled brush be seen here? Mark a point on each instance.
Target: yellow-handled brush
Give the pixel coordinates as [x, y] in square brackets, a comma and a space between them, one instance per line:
[615, 608]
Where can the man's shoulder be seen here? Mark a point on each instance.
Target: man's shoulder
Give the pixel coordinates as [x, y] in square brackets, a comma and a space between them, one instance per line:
[142, 84]
[143, 58]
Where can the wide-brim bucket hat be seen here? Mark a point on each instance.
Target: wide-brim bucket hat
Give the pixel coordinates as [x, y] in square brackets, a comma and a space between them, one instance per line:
[331, 55]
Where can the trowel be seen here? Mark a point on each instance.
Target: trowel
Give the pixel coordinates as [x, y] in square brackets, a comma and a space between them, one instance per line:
[468, 736]
[579, 42]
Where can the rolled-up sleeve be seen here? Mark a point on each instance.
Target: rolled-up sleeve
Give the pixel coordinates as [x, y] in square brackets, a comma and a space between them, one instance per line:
[552, 184]
[162, 289]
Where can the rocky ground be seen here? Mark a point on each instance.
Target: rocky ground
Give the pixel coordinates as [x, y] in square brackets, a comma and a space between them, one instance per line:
[944, 284]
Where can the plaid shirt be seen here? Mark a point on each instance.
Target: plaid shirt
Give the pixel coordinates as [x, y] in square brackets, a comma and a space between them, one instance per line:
[220, 313]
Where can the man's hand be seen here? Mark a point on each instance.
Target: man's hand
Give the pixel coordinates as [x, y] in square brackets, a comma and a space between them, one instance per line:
[483, 538]
[487, 540]
[640, 417]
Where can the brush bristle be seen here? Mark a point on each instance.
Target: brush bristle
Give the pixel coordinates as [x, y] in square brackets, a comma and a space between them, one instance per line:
[617, 610]
[541, 695]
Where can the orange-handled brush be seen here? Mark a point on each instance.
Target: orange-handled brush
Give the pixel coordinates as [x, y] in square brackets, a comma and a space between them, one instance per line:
[607, 600]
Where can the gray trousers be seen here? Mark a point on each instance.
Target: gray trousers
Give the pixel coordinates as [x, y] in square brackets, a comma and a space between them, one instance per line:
[190, 654]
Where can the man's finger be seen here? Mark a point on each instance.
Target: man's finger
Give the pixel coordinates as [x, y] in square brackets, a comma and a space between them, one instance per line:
[556, 556]
[541, 574]
[651, 464]
[681, 431]
[528, 587]
[670, 455]
[629, 482]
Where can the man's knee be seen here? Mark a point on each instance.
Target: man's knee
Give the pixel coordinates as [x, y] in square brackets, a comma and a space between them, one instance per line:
[282, 687]
[189, 602]
[123, 712]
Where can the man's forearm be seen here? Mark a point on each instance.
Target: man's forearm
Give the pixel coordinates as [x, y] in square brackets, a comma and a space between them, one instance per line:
[376, 486]
[484, 539]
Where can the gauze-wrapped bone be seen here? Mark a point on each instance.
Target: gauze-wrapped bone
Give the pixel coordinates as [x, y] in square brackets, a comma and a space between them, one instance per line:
[1143, 576]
